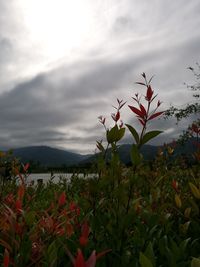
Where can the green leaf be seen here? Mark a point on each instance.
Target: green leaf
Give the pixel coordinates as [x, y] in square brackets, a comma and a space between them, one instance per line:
[52, 252]
[144, 261]
[115, 134]
[135, 155]
[134, 133]
[195, 262]
[100, 146]
[174, 249]
[120, 134]
[195, 190]
[149, 253]
[148, 136]
[111, 134]
[183, 245]
[30, 217]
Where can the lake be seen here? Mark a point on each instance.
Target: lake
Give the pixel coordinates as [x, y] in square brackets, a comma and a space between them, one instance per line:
[45, 177]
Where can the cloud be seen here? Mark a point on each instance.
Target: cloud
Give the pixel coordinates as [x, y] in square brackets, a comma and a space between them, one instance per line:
[52, 107]
[58, 104]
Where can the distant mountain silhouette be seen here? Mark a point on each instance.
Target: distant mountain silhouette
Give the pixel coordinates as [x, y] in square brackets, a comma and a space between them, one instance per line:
[48, 156]
[149, 151]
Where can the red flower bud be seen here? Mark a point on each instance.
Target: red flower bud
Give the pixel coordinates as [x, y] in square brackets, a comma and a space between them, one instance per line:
[116, 116]
[121, 124]
[143, 75]
[159, 103]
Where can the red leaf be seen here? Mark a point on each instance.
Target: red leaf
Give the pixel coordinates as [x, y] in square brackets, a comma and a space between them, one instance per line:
[141, 121]
[62, 199]
[195, 128]
[79, 261]
[136, 111]
[91, 262]
[26, 167]
[175, 185]
[117, 117]
[83, 240]
[6, 258]
[9, 199]
[21, 191]
[74, 208]
[159, 103]
[143, 110]
[18, 205]
[149, 93]
[101, 254]
[155, 115]
[20, 176]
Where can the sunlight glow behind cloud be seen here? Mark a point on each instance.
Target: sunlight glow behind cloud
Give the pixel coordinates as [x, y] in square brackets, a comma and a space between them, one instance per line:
[58, 26]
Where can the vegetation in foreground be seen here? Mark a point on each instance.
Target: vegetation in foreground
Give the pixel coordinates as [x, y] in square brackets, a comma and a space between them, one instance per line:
[144, 215]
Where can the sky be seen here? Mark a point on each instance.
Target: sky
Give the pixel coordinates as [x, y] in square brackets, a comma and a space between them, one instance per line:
[63, 63]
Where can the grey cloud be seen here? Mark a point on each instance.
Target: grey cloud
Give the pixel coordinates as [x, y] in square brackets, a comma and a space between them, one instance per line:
[27, 137]
[45, 102]
[5, 49]
[61, 105]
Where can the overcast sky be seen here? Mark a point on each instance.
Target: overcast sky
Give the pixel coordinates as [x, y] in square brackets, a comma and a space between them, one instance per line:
[64, 62]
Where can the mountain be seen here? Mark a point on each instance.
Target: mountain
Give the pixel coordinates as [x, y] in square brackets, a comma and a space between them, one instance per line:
[53, 157]
[149, 151]
[48, 156]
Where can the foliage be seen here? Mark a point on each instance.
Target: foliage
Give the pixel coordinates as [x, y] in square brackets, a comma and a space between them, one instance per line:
[189, 109]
